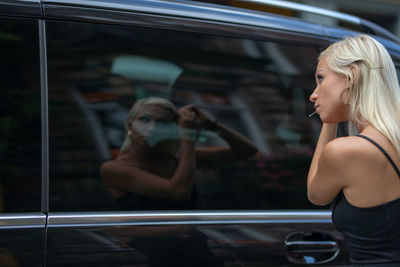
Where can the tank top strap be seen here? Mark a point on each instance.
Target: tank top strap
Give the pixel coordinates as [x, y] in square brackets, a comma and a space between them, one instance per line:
[383, 151]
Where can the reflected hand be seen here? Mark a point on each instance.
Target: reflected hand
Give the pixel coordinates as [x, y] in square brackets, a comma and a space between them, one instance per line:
[187, 117]
[203, 120]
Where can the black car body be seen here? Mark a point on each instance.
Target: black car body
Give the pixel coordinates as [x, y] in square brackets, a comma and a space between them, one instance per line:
[67, 82]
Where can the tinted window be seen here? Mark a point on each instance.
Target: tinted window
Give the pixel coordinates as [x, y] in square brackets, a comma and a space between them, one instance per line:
[397, 65]
[258, 88]
[20, 125]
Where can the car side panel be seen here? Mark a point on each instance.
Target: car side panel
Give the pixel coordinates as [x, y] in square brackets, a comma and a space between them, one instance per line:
[22, 238]
[234, 238]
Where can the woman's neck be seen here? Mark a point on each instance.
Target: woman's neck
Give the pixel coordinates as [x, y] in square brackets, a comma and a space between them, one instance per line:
[362, 125]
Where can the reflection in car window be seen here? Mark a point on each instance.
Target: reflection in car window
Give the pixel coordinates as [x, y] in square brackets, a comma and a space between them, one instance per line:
[259, 89]
[20, 140]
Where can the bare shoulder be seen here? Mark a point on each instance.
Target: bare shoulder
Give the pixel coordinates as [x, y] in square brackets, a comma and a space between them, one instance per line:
[117, 172]
[348, 157]
[113, 167]
[345, 148]
[353, 146]
[108, 167]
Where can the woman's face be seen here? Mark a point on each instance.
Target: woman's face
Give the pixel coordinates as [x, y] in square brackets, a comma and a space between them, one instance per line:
[152, 125]
[330, 97]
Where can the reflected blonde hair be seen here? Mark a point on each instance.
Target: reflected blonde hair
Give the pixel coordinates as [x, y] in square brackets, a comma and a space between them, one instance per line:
[137, 106]
[374, 88]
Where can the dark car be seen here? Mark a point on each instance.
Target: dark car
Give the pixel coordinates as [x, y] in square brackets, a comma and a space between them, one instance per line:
[70, 71]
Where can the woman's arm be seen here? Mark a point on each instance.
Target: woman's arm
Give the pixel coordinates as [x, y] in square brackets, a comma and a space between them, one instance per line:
[328, 169]
[327, 134]
[120, 175]
[239, 146]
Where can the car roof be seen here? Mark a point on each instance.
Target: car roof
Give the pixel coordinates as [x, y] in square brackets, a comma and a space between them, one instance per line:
[199, 11]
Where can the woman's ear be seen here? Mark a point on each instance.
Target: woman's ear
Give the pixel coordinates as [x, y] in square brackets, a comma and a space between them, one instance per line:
[355, 74]
[128, 126]
[345, 96]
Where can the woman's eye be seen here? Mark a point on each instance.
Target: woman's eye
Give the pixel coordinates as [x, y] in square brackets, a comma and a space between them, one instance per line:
[144, 119]
[319, 77]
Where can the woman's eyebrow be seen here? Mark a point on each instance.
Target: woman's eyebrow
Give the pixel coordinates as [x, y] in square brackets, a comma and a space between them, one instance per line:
[317, 72]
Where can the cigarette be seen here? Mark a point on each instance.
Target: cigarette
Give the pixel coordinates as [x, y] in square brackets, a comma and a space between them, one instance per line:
[312, 114]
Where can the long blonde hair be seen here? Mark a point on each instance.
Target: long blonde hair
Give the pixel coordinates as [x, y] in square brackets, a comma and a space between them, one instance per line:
[137, 106]
[374, 88]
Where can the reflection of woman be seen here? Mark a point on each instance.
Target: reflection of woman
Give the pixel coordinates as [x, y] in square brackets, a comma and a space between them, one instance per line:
[147, 175]
[356, 81]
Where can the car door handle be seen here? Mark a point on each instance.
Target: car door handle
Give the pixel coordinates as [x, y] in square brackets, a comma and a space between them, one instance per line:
[311, 246]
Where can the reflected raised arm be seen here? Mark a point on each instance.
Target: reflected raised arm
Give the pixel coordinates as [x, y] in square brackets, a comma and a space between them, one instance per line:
[239, 146]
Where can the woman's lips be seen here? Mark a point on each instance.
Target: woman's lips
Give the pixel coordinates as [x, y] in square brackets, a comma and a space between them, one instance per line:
[316, 111]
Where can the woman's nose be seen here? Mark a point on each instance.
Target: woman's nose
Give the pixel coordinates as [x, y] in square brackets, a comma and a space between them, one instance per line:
[314, 95]
[151, 125]
[148, 128]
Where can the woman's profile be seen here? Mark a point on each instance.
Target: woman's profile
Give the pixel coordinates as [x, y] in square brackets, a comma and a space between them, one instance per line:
[357, 82]
[155, 171]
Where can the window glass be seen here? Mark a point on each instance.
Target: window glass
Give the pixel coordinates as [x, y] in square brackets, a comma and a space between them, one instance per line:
[397, 65]
[258, 89]
[20, 125]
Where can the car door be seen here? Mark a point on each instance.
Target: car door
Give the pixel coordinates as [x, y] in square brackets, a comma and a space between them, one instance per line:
[255, 80]
[22, 217]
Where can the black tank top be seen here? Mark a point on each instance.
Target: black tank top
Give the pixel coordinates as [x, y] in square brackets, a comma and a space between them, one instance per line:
[372, 234]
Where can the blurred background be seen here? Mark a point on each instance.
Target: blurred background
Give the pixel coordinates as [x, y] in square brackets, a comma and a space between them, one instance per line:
[385, 13]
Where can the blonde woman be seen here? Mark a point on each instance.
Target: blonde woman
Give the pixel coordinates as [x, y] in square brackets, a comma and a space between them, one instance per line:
[158, 156]
[155, 171]
[356, 82]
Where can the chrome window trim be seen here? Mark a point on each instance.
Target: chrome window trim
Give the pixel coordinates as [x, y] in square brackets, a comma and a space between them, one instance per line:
[25, 8]
[308, 9]
[95, 219]
[45, 117]
[187, 15]
[328, 13]
[75, 14]
[22, 220]
[125, 13]
[229, 14]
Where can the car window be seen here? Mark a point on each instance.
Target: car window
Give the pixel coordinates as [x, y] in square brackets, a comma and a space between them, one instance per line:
[397, 65]
[20, 125]
[258, 88]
